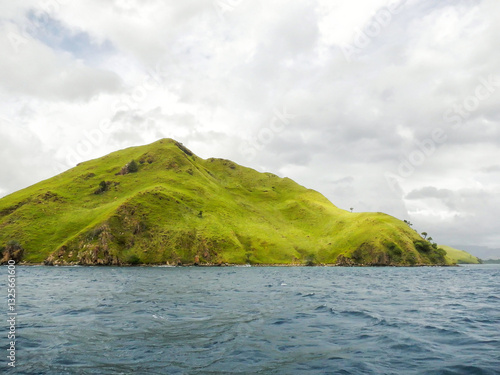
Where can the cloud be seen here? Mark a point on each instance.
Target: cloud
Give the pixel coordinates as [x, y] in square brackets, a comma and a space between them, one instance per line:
[215, 78]
[58, 37]
[34, 69]
[344, 180]
[491, 169]
[429, 192]
[22, 168]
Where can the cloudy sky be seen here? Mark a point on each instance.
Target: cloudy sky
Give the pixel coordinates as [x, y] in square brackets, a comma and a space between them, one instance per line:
[389, 106]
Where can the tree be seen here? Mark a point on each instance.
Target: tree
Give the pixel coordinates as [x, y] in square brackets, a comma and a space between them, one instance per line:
[430, 239]
[351, 209]
[132, 167]
[424, 234]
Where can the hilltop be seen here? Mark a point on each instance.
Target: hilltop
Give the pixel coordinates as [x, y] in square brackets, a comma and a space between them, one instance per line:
[161, 204]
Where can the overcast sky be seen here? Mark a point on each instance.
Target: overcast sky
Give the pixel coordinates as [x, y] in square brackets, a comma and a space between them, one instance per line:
[389, 106]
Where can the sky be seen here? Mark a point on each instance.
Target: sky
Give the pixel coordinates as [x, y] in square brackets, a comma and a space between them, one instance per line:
[382, 106]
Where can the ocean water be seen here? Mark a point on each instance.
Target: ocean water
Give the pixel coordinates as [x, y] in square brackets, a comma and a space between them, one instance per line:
[273, 320]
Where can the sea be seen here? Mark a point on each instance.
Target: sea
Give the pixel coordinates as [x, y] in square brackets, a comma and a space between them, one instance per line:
[254, 320]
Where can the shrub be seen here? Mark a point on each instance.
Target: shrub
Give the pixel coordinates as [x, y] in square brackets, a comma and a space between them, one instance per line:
[140, 227]
[133, 259]
[311, 260]
[103, 186]
[248, 256]
[394, 252]
[423, 246]
[410, 258]
[13, 245]
[184, 148]
[438, 256]
[132, 167]
[121, 239]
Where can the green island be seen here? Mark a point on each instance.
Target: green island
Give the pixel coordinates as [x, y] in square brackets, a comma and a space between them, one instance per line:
[459, 256]
[160, 204]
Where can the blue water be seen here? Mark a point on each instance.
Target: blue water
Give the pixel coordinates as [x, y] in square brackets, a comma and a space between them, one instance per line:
[311, 320]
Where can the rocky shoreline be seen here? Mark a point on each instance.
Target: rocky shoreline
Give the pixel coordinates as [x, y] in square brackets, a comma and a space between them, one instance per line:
[61, 264]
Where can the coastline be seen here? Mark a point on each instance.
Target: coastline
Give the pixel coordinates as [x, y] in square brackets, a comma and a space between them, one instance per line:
[235, 265]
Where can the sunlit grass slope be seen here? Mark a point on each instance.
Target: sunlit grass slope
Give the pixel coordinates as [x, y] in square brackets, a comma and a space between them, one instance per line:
[459, 256]
[179, 208]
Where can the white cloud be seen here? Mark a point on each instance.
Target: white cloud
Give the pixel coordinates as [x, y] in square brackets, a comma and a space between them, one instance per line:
[31, 68]
[214, 80]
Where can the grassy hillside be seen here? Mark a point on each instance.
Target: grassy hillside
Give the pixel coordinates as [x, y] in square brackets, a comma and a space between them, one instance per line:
[454, 256]
[179, 208]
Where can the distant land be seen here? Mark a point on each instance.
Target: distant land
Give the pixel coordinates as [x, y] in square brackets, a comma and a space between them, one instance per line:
[161, 204]
[459, 256]
[482, 252]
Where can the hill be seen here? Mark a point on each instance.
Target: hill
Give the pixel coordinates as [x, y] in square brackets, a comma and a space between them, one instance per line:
[454, 256]
[161, 204]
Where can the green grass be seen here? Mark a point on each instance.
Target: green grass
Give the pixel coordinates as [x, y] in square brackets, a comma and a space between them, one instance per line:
[153, 216]
[459, 256]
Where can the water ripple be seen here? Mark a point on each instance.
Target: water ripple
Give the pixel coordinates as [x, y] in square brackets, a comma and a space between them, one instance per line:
[92, 320]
